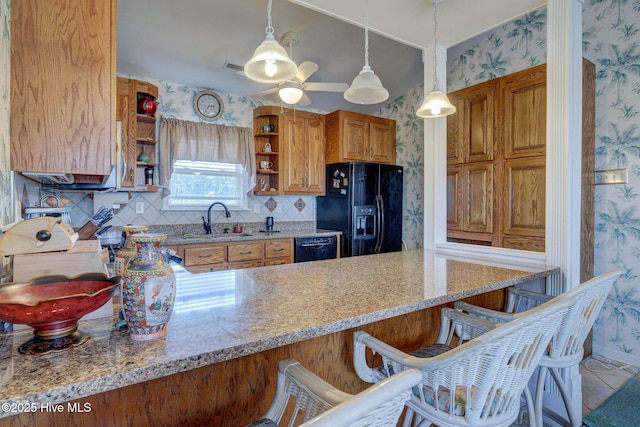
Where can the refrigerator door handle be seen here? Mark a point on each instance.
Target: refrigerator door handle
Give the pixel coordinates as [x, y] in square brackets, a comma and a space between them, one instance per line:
[381, 230]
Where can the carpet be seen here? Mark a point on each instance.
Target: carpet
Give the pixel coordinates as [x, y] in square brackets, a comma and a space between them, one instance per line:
[620, 410]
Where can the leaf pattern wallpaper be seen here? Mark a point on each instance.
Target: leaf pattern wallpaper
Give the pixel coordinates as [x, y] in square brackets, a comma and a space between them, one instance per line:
[611, 40]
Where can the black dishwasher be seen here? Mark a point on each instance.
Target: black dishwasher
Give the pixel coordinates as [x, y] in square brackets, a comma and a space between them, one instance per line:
[315, 248]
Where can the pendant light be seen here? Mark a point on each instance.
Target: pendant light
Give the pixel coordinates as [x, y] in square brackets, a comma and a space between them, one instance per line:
[366, 87]
[270, 62]
[436, 104]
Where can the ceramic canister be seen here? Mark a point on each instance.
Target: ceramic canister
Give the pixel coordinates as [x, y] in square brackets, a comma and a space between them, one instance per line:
[148, 289]
[128, 250]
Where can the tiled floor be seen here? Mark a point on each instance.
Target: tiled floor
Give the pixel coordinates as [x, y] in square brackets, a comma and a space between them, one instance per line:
[599, 381]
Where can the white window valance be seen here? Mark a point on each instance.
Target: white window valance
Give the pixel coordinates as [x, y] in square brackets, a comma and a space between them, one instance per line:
[196, 141]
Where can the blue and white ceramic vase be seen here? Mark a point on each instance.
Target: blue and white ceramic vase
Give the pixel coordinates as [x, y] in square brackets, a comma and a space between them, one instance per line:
[148, 289]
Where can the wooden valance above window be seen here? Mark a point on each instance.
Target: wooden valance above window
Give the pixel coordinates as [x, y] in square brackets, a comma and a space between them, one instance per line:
[195, 141]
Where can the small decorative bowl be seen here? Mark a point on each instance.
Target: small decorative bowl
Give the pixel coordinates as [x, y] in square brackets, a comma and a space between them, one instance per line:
[52, 306]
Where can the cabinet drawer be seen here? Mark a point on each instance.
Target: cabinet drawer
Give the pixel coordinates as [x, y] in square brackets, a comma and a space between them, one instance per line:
[245, 252]
[244, 264]
[206, 268]
[277, 248]
[277, 261]
[204, 255]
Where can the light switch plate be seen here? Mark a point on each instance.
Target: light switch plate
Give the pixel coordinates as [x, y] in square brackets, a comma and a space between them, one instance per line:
[612, 176]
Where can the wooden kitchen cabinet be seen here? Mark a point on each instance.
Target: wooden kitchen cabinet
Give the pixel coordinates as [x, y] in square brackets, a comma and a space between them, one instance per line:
[204, 257]
[137, 133]
[303, 163]
[63, 85]
[515, 146]
[355, 137]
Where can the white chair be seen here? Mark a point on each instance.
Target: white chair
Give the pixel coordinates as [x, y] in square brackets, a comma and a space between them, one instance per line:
[478, 383]
[567, 347]
[316, 403]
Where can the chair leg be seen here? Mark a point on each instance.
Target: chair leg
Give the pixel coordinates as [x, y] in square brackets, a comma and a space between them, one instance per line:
[574, 418]
[542, 375]
[408, 417]
[531, 410]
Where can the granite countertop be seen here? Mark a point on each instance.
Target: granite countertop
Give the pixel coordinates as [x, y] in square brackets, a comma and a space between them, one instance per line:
[223, 315]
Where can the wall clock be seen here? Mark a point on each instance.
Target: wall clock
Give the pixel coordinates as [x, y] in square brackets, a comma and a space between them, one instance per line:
[208, 105]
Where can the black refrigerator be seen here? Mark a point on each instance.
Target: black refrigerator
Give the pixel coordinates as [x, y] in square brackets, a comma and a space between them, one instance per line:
[364, 202]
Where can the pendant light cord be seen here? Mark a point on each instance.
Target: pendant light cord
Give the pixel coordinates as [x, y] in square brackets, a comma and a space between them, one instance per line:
[269, 29]
[435, 44]
[366, 33]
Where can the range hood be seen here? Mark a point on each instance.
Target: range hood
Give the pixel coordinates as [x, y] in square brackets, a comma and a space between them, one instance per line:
[69, 182]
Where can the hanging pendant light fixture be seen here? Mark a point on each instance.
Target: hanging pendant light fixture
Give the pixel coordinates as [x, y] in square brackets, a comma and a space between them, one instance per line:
[436, 104]
[366, 87]
[270, 62]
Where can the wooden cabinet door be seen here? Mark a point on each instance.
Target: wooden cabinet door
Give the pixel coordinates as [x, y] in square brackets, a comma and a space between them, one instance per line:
[382, 138]
[295, 153]
[454, 198]
[354, 146]
[316, 170]
[470, 132]
[304, 166]
[524, 197]
[126, 115]
[524, 112]
[63, 86]
[477, 181]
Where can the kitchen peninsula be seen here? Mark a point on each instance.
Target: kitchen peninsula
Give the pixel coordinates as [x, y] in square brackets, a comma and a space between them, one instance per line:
[217, 364]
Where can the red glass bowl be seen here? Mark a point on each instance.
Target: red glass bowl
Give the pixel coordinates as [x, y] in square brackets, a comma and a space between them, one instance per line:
[52, 306]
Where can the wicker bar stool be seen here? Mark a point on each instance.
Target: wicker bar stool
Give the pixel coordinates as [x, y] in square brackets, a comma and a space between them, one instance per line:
[567, 346]
[317, 403]
[478, 383]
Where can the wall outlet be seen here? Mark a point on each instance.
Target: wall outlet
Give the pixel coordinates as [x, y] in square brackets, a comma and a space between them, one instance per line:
[139, 207]
[612, 176]
[256, 207]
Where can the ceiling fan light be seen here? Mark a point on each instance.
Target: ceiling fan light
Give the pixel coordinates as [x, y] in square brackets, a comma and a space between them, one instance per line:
[366, 88]
[290, 93]
[436, 104]
[270, 63]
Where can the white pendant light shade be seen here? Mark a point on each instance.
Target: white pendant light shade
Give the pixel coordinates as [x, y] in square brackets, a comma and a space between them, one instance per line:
[436, 104]
[290, 92]
[366, 88]
[270, 62]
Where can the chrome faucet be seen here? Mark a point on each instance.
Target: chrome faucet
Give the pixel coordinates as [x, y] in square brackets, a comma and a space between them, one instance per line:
[207, 223]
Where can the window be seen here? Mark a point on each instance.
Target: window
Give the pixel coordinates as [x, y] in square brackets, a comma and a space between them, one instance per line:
[195, 185]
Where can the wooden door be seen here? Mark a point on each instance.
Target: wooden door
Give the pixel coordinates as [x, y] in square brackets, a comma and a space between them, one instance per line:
[454, 198]
[477, 181]
[524, 112]
[294, 153]
[63, 86]
[382, 141]
[524, 200]
[316, 171]
[354, 144]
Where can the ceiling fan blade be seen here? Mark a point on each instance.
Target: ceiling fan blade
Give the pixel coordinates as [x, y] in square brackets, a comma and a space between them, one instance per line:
[264, 92]
[304, 101]
[305, 70]
[325, 87]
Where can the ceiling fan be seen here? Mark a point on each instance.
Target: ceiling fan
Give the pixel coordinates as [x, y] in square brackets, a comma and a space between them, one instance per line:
[293, 91]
